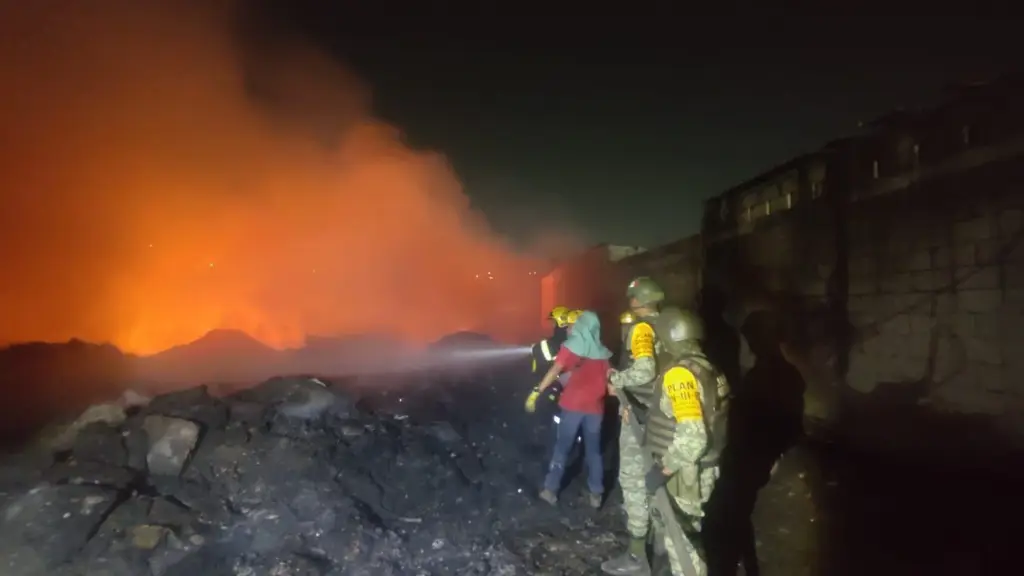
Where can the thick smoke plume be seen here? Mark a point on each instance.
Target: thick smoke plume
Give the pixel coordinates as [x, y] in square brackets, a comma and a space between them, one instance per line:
[163, 177]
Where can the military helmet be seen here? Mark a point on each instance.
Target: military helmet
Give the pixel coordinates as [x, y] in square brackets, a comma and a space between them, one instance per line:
[560, 314]
[677, 328]
[645, 291]
[627, 318]
[573, 316]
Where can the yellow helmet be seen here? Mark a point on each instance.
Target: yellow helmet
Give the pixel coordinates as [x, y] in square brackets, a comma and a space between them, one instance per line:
[560, 314]
[627, 318]
[572, 316]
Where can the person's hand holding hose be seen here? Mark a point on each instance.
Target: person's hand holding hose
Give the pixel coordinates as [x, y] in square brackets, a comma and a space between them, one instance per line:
[531, 400]
[548, 380]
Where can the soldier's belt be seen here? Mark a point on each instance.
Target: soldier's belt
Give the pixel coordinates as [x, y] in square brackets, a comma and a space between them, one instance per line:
[709, 461]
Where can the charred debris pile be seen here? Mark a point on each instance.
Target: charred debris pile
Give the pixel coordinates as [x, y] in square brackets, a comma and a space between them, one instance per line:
[298, 476]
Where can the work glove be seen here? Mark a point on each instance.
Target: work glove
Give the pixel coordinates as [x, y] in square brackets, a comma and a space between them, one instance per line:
[655, 479]
[531, 401]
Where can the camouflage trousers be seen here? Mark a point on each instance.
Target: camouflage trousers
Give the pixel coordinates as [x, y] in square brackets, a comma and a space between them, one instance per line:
[689, 513]
[631, 480]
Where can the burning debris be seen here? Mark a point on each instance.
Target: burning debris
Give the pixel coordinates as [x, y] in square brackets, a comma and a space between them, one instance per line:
[215, 171]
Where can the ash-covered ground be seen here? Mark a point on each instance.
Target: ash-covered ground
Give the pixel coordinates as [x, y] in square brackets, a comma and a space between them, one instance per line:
[319, 477]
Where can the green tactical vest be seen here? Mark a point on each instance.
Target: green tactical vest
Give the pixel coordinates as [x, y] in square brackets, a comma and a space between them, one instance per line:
[641, 394]
[661, 427]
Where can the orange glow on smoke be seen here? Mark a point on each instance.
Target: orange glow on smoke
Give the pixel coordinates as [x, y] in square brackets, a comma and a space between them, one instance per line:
[150, 197]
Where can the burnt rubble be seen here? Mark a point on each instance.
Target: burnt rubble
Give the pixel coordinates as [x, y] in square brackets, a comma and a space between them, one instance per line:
[409, 475]
[301, 476]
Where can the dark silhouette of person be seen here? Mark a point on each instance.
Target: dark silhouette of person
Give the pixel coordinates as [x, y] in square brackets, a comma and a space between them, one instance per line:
[765, 420]
[722, 340]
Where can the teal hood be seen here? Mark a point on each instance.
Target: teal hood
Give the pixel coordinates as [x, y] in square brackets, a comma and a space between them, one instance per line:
[585, 338]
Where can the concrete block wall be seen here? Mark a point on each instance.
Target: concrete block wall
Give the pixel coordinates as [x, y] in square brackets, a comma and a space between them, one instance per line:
[895, 257]
[909, 304]
[908, 301]
[935, 296]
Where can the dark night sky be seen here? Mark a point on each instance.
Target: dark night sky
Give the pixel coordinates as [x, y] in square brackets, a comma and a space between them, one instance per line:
[622, 122]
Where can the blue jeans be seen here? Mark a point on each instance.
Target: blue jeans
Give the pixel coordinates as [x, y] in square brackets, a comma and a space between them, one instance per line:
[568, 429]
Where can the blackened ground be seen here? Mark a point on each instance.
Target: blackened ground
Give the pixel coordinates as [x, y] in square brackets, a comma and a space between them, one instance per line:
[440, 477]
[828, 510]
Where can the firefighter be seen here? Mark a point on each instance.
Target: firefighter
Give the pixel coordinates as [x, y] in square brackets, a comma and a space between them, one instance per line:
[545, 350]
[544, 353]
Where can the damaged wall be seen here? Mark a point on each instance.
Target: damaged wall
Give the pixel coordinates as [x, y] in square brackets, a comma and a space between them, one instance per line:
[895, 256]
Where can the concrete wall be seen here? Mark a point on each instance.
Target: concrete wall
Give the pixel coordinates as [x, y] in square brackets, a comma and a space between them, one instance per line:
[935, 295]
[895, 257]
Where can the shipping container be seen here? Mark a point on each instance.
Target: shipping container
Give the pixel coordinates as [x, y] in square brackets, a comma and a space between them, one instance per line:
[589, 281]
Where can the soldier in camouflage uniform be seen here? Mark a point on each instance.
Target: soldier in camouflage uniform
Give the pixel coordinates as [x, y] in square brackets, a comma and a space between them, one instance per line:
[633, 383]
[686, 432]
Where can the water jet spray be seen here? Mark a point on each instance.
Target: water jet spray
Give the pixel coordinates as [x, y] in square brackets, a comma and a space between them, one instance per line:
[439, 359]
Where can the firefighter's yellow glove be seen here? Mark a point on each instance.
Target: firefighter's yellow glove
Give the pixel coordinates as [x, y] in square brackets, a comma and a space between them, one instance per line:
[531, 401]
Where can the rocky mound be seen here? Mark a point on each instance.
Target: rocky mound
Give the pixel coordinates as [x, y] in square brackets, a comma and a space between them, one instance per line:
[297, 476]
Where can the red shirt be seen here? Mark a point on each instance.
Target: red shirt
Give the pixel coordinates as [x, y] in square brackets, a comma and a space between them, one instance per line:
[587, 385]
